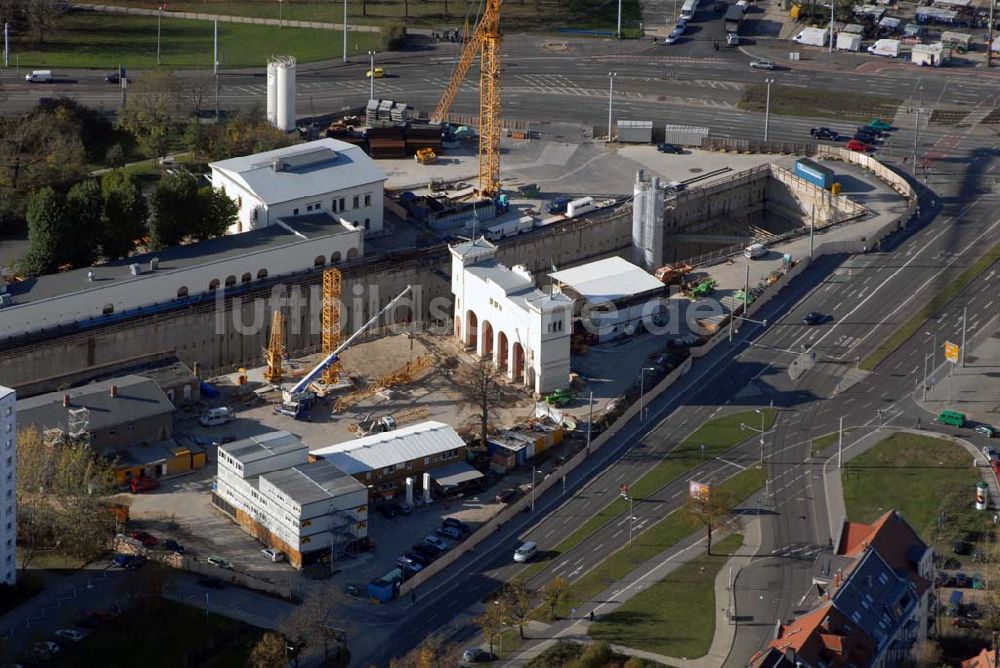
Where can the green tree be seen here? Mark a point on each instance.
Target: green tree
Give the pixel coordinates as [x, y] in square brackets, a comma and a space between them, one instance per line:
[515, 600]
[597, 655]
[554, 593]
[114, 157]
[711, 511]
[49, 230]
[84, 205]
[491, 622]
[269, 652]
[174, 203]
[124, 215]
[150, 112]
[216, 213]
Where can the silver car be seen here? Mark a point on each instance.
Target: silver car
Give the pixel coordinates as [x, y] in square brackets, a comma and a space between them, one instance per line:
[762, 64]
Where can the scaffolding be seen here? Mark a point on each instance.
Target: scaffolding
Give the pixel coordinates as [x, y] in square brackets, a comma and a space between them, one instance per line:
[331, 323]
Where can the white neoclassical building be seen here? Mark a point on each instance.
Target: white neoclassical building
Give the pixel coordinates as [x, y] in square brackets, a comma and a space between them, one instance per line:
[500, 311]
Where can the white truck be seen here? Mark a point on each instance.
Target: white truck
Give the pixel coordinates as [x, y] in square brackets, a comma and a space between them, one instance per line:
[509, 228]
[847, 41]
[888, 48]
[927, 54]
[580, 206]
[812, 36]
[39, 76]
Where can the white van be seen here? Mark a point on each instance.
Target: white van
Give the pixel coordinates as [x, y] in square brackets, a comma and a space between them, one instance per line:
[754, 251]
[39, 76]
[525, 553]
[216, 416]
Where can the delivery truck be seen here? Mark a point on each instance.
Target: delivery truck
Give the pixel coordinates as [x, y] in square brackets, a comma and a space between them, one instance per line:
[733, 19]
[812, 36]
[887, 48]
[509, 228]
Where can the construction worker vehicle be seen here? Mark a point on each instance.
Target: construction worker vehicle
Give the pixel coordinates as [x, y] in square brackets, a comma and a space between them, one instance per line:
[425, 156]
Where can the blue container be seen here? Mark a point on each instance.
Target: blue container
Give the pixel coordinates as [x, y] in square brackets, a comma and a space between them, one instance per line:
[815, 173]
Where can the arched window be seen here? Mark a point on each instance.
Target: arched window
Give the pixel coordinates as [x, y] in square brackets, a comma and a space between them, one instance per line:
[352, 253]
[335, 257]
[108, 309]
[214, 284]
[182, 291]
[246, 278]
[319, 261]
[230, 281]
[262, 273]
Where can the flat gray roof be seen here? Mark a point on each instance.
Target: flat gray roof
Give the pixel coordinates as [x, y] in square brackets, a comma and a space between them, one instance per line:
[606, 280]
[306, 170]
[138, 398]
[311, 483]
[171, 259]
[262, 446]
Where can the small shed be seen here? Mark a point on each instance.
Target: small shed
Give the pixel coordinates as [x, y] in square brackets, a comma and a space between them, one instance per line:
[635, 132]
[927, 54]
[888, 24]
[956, 40]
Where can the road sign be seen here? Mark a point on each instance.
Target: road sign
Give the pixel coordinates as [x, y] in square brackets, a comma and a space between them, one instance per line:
[951, 352]
[698, 490]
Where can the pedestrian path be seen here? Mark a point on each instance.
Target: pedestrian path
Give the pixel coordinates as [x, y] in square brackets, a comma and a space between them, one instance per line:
[654, 570]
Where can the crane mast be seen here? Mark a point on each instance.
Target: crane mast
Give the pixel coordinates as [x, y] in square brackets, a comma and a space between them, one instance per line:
[486, 42]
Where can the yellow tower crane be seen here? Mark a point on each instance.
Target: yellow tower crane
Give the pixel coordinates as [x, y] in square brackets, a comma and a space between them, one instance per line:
[275, 348]
[331, 323]
[486, 41]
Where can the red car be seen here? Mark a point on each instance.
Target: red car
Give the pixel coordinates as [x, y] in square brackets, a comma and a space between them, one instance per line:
[147, 539]
[858, 145]
[139, 485]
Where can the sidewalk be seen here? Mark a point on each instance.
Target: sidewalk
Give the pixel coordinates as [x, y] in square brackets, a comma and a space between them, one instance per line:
[643, 577]
[973, 389]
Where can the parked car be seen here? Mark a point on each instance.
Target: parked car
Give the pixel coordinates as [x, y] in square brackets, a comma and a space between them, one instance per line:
[418, 558]
[146, 538]
[990, 453]
[869, 132]
[274, 556]
[436, 542]
[477, 655]
[858, 145]
[426, 551]
[76, 635]
[405, 562]
[219, 562]
[986, 430]
[458, 524]
[762, 64]
[508, 495]
[824, 133]
[962, 581]
[450, 532]
[140, 485]
[669, 148]
[212, 583]
[174, 546]
[813, 318]
[880, 125]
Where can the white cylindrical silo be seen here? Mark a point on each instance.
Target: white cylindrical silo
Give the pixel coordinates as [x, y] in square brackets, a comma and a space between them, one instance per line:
[272, 92]
[638, 219]
[286, 93]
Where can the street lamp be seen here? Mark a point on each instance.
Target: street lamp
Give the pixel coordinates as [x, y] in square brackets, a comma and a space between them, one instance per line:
[371, 75]
[744, 427]
[618, 33]
[631, 518]
[533, 472]
[345, 31]
[642, 391]
[767, 106]
[611, 93]
[159, 16]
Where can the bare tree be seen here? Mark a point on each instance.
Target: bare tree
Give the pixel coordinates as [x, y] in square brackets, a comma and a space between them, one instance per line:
[312, 624]
[151, 110]
[554, 593]
[269, 652]
[41, 15]
[491, 622]
[711, 510]
[194, 89]
[480, 381]
[515, 599]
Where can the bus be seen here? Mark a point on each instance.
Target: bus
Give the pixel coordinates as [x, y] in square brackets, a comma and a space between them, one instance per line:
[688, 10]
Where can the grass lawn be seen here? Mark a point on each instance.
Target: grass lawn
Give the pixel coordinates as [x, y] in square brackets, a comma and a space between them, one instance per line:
[821, 443]
[717, 435]
[85, 39]
[520, 15]
[921, 477]
[651, 542]
[676, 616]
[915, 322]
[167, 634]
[792, 101]
[53, 561]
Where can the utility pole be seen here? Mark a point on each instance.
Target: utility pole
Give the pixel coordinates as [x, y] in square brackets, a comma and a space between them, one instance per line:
[215, 48]
[832, 3]
[532, 488]
[159, 15]
[812, 229]
[371, 78]
[631, 520]
[989, 63]
[961, 351]
[767, 106]
[280, 3]
[642, 392]
[840, 444]
[590, 424]
[611, 94]
[345, 31]
[6, 44]
[926, 357]
[618, 33]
